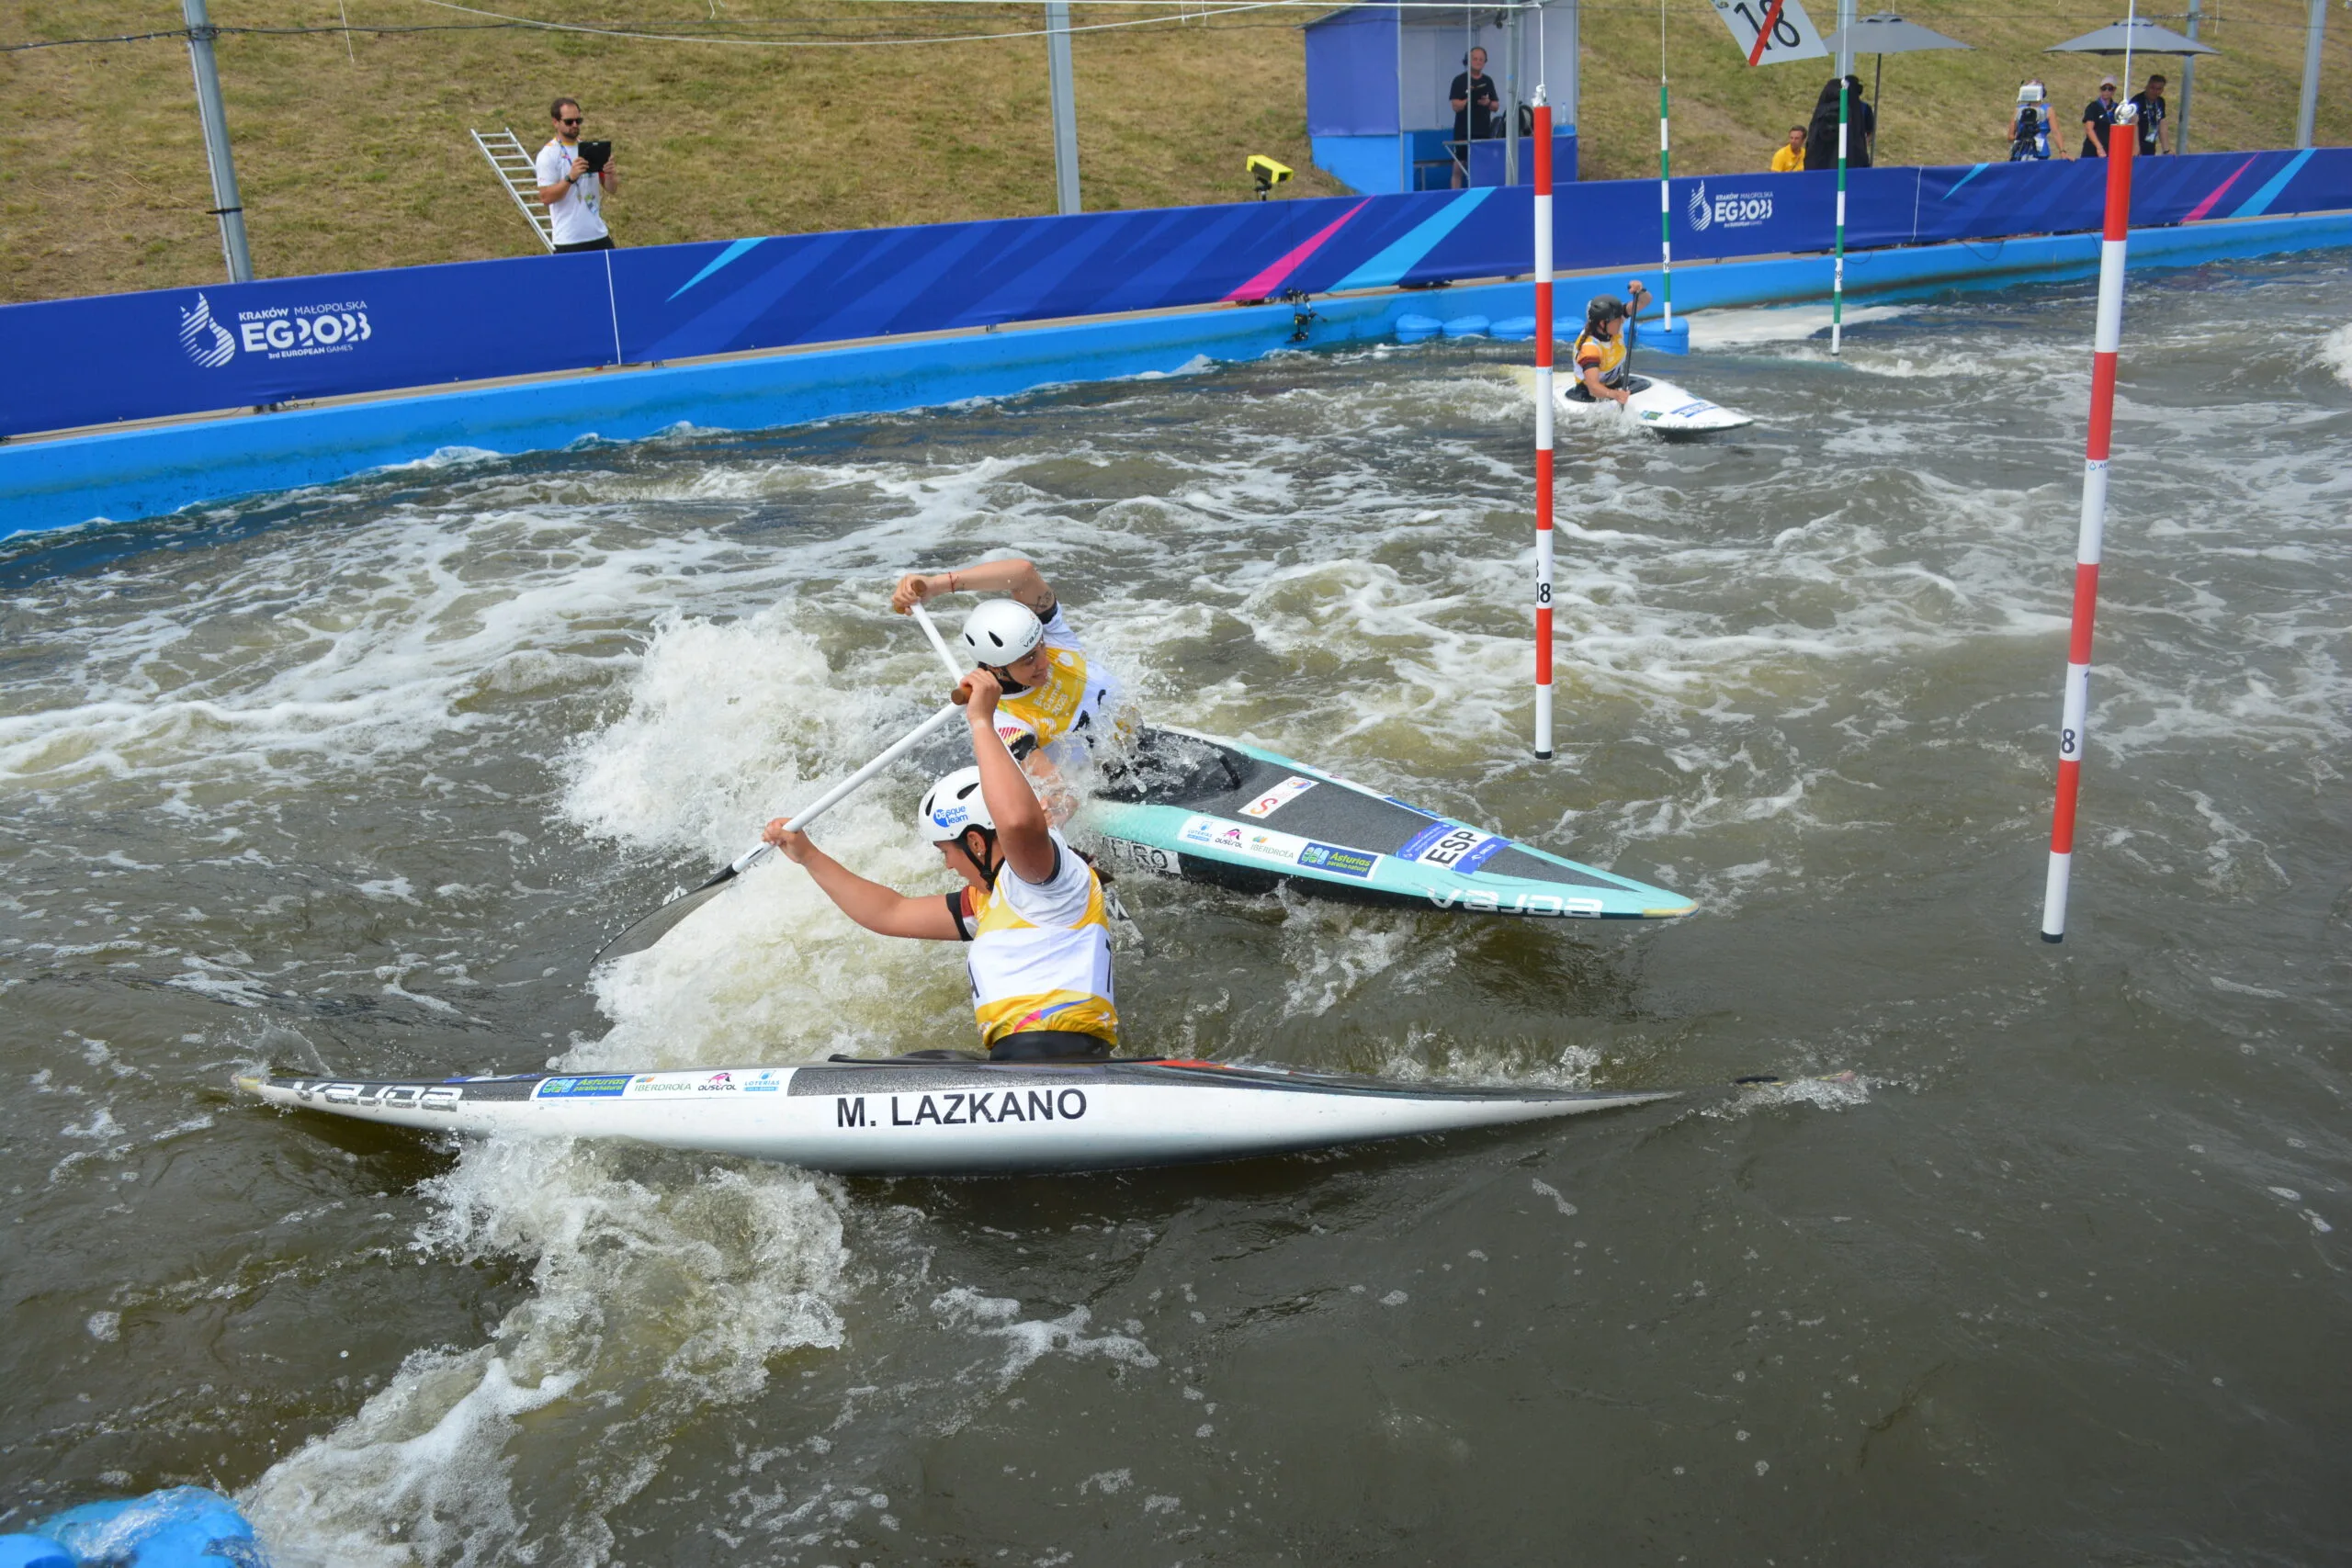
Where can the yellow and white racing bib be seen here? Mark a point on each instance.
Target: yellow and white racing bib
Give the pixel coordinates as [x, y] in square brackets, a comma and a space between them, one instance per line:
[1041, 954]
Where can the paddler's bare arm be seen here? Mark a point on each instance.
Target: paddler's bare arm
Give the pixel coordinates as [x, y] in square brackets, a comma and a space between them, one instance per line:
[1019, 578]
[1019, 816]
[882, 909]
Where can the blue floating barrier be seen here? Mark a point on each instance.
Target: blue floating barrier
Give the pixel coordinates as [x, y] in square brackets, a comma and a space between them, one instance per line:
[1650, 334]
[1467, 326]
[33, 1551]
[181, 1527]
[1516, 329]
[1413, 329]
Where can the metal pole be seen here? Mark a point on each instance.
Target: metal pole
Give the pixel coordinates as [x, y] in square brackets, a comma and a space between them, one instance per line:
[2188, 81]
[1062, 84]
[1544, 411]
[2107, 339]
[1511, 98]
[2312, 41]
[1576, 64]
[227, 204]
[1837, 266]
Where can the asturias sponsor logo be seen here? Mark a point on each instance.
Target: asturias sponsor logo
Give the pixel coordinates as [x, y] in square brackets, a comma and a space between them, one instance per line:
[1733, 210]
[276, 331]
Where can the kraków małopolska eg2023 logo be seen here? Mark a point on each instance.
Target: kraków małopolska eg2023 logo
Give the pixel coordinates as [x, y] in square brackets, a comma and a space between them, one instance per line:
[1733, 210]
[275, 332]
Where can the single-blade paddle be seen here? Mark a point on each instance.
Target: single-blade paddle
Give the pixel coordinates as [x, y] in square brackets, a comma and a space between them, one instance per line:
[662, 922]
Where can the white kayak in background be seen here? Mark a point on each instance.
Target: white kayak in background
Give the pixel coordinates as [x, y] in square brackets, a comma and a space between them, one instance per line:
[948, 1113]
[1657, 405]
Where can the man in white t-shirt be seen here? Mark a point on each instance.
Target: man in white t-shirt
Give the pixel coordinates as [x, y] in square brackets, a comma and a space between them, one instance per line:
[573, 193]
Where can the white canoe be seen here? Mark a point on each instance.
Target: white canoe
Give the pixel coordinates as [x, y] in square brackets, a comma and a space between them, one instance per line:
[949, 1116]
[1659, 406]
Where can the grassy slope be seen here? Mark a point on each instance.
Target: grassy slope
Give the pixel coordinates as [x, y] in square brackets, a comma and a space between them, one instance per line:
[361, 159]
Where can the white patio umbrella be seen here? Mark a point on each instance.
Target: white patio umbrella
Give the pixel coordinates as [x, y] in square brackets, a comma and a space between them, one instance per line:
[2139, 36]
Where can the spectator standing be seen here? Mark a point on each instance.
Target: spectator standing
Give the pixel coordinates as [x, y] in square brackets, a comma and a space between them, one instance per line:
[2098, 117]
[1821, 136]
[572, 193]
[2029, 125]
[1478, 110]
[2150, 101]
[1790, 159]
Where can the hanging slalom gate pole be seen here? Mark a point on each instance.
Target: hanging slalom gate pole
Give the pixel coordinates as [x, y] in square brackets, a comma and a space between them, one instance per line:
[1664, 181]
[1837, 266]
[1543, 425]
[2075, 711]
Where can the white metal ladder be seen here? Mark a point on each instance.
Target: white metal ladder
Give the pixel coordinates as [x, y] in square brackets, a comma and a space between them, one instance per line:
[520, 176]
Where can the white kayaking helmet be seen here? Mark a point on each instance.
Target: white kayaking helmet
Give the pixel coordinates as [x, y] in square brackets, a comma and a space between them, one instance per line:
[952, 804]
[1001, 631]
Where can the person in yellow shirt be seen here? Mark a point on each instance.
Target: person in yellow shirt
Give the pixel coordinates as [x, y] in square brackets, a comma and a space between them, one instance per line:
[1031, 911]
[1789, 160]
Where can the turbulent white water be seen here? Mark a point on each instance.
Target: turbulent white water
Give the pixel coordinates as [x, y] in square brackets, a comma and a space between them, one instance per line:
[356, 778]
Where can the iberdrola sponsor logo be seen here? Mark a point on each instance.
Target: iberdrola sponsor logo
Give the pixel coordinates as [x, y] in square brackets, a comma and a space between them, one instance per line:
[275, 332]
[207, 341]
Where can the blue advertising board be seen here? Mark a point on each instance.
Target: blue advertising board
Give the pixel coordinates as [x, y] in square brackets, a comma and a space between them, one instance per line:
[166, 352]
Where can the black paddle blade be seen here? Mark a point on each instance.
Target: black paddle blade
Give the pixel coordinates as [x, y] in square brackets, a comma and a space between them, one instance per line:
[659, 923]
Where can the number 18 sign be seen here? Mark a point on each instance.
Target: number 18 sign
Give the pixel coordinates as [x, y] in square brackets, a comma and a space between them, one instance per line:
[1772, 32]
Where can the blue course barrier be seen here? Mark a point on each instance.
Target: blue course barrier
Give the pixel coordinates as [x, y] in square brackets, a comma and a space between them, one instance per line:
[192, 350]
[150, 471]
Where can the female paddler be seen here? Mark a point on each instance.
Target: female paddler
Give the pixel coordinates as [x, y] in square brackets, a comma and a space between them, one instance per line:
[1031, 907]
[1057, 703]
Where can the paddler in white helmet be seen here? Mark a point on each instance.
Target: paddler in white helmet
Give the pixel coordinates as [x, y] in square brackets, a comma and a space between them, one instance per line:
[1031, 909]
[1057, 703]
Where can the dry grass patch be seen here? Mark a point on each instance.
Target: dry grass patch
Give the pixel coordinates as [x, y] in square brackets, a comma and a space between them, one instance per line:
[357, 156]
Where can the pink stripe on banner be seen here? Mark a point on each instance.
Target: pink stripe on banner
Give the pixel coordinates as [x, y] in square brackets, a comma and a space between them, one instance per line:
[1263, 284]
[2206, 206]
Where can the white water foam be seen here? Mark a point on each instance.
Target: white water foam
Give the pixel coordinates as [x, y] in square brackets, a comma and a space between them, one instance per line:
[2335, 352]
[1741, 327]
[660, 1288]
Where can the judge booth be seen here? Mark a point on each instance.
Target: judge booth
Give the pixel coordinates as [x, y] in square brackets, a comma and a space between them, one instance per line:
[1378, 76]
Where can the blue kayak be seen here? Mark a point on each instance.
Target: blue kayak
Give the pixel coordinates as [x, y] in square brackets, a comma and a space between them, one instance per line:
[1241, 816]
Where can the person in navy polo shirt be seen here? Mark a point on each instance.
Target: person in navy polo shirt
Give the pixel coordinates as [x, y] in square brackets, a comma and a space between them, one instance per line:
[2098, 117]
[2150, 101]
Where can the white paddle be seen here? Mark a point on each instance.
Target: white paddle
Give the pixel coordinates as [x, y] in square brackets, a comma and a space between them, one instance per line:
[659, 924]
[1112, 905]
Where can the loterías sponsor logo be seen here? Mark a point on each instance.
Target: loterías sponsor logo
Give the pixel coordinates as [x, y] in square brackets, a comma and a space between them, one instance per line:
[1733, 210]
[275, 332]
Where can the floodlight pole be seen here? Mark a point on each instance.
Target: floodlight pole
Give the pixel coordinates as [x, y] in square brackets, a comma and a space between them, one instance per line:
[2312, 41]
[227, 204]
[1061, 80]
[2188, 81]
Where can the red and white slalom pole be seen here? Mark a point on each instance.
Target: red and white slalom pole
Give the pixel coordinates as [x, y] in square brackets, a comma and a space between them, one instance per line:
[1543, 426]
[2075, 713]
